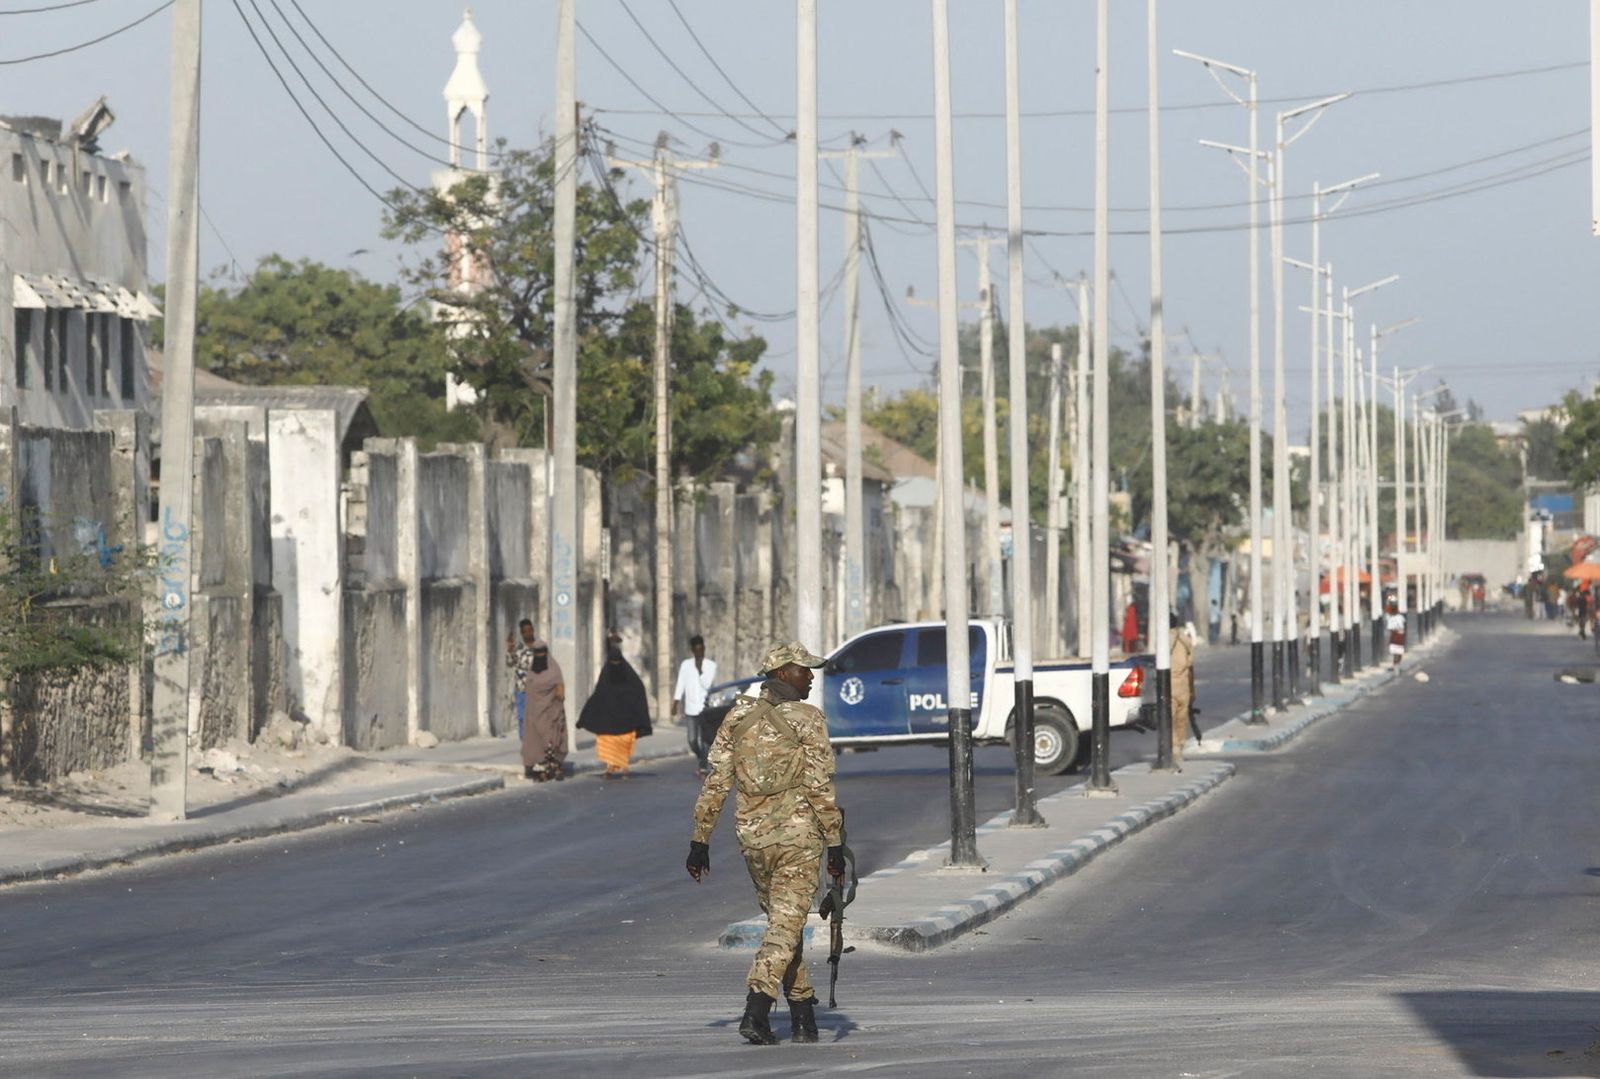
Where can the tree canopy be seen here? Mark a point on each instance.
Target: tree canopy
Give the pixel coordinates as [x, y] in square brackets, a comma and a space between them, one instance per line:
[1576, 449]
[495, 232]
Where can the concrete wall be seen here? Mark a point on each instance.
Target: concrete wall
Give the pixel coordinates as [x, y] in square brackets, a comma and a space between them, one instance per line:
[307, 568]
[1498, 560]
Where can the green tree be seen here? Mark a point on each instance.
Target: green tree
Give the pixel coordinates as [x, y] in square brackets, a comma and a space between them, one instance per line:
[497, 231]
[1540, 437]
[1484, 497]
[304, 323]
[1577, 445]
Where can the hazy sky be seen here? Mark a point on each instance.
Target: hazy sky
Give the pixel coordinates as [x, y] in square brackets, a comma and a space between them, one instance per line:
[1501, 277]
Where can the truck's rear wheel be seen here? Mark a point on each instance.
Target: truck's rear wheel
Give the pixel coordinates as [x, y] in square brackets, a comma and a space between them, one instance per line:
[1056, 744]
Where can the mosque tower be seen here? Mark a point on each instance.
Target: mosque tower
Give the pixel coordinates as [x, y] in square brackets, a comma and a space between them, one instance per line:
[464, 93]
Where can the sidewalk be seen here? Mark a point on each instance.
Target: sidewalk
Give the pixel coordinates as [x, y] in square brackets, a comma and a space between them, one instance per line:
[351, 787]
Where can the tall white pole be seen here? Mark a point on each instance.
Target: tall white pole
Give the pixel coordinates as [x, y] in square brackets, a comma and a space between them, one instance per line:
[1257, 621]
[562, 491]
[958, 685]
[1400, 544]
[1354, 519]
[994, 573]
[808, 379]
[1026, 813]
[1052, 510]
[169, 760]
[855, 529]
[1100, 553]
[1160, 587]
[1282, 533]
[1374, 544]
[1314, 487]
[1338, 614]
[1082, 478]
[665, 231]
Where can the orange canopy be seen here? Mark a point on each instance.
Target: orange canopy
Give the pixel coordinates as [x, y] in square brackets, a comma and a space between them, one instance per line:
[1584, 571]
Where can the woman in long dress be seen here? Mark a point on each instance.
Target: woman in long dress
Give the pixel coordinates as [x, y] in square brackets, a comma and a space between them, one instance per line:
[544, 729]
[617, 714]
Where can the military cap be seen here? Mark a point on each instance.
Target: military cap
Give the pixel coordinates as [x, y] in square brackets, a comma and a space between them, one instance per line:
[781, 655]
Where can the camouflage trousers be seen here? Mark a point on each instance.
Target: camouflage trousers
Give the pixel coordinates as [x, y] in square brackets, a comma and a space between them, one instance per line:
[786, 881]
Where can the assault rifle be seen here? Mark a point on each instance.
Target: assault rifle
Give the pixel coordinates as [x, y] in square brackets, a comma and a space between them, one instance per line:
[832, 908]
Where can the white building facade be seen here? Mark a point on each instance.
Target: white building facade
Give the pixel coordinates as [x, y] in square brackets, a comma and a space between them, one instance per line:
[74, 293]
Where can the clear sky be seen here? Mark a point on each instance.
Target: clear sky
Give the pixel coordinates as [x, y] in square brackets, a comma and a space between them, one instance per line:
[1500, 272]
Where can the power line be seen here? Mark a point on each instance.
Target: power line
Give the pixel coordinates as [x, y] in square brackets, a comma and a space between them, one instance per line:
[146, 17]
[712, 60]
[50, 8]
[385, 102]
[684, 75]
[1196, 106]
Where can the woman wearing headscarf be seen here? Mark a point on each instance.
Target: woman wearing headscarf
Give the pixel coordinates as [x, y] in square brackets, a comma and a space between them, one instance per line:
[617, 713]
[544, 729]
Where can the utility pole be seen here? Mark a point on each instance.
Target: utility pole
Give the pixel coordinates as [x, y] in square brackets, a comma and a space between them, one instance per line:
[1252, 155]
[663, 169]
[855, 541]
[1282, 506]
[1099, 574]
[958, 685]
[169, 760]
[561, 476]
[1082, 485]
[994, 573]
[1160, 603]
[808, 345]
[1026, 813]
[1053, 524]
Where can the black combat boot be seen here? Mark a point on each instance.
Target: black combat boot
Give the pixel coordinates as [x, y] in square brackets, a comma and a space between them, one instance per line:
[755, 1026]
[803, 1020]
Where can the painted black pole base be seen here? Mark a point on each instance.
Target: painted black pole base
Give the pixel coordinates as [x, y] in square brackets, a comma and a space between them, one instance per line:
[1294, 671]
[1314, 667]
[1026, 812]
[1277, 676]
[963, 814]
[1100, 735]
[1258, 672]
[1164, 761]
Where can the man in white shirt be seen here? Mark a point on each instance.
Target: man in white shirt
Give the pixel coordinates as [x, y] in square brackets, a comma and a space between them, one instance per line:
[696, 676]
[1395, 623]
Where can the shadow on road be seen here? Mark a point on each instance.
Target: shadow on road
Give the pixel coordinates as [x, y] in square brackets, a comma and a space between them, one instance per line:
[1511, 1034]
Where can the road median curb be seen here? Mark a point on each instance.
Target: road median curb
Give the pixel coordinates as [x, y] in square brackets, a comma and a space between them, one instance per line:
[917, 932]
[200, 838]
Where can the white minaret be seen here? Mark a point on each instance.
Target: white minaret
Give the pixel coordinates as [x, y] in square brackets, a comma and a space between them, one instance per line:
[464, 92]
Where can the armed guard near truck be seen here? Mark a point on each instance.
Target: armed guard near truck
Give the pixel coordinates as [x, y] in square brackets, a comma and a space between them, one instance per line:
[773, 751]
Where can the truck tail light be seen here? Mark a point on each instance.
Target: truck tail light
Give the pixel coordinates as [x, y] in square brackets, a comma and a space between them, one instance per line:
[1133, 685]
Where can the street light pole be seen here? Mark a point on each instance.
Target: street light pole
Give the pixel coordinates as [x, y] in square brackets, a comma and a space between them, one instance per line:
[1082, 484]
[808, 345]
[993, 572]
[1160, 602]
[1286, 629]
[1100, 624]
[958, 676]
[1026, 813]
[1253, 155]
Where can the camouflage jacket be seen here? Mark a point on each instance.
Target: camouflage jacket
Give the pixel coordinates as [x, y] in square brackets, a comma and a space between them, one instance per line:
[784, 790]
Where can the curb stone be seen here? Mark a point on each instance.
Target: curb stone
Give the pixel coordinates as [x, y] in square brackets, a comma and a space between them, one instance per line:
[199, 840]
[963, 915]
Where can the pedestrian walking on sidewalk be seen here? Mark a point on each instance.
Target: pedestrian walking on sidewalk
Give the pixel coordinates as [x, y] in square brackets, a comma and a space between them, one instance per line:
[544, 734]
[696, 676]
[773, 751]
[519, 660]
[617, 713]
[1182, 667]
[1395, 623]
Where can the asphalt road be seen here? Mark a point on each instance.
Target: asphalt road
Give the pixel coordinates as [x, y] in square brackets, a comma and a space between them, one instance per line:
[1409, 890]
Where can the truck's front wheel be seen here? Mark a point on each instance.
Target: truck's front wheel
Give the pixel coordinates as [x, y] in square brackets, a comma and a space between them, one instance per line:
[1056, 745]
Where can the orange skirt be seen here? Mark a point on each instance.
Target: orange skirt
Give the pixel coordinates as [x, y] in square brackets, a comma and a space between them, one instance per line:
[615, 750]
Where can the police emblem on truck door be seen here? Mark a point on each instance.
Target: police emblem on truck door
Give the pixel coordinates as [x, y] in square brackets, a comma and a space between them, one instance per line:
[851, 691]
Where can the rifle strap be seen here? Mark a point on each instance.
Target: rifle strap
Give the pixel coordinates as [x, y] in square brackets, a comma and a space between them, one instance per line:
[764, 710]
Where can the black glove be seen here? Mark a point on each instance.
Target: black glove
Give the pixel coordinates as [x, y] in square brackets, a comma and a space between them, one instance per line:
[699, 860]
[836, 865]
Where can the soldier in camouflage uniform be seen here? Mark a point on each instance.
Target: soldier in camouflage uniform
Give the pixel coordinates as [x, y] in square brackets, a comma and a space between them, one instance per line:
[773, 750]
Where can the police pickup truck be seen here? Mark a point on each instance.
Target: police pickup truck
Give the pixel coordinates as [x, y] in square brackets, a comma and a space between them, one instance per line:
[887, 685]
